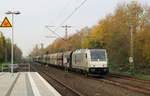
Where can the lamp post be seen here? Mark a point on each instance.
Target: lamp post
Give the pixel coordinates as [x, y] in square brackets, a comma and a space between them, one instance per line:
[12, 13]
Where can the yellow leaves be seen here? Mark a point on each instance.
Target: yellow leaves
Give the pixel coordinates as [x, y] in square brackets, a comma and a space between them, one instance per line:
[5, 49]
[55, 44]
[146, 51]
[145, 44]
[113, 34]
[85, 42]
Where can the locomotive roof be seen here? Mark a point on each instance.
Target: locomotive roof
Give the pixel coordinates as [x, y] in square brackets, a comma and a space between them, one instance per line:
[85, 50]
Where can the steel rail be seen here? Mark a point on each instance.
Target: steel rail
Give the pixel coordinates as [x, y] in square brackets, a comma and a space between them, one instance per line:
[58, 81]
[130, 78]
[128, 84]
[125, 87]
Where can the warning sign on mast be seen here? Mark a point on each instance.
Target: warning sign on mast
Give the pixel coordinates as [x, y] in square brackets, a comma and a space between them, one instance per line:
[6, 23]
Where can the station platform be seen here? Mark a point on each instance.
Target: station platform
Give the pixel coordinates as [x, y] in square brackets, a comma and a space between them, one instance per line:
[25, 84]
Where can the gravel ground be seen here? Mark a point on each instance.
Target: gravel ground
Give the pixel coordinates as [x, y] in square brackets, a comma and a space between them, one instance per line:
[86, 86]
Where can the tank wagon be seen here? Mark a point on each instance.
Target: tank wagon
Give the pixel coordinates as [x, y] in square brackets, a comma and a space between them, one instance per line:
[92, 61]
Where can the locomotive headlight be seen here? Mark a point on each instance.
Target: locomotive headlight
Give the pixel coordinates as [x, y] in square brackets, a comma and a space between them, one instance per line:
[105, 65]
[89, 65]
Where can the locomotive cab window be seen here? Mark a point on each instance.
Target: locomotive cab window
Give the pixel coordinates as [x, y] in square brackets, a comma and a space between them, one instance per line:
[98, 55]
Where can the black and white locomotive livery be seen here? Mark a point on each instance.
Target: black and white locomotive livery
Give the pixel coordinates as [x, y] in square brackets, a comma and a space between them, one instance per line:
[92, 61]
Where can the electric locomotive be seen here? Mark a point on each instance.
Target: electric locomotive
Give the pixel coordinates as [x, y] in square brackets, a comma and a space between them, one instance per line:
[92, 61]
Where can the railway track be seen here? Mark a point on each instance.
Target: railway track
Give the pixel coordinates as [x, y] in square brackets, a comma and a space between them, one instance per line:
[129, 84]
[68, 90]
[125, 85]
[130, 78]
[128, 87]
[131, 87]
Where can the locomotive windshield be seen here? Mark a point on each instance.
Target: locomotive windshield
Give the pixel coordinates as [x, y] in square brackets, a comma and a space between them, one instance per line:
[98, 55]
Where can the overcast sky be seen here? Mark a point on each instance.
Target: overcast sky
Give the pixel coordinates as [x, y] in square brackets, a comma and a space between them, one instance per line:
[35, 14]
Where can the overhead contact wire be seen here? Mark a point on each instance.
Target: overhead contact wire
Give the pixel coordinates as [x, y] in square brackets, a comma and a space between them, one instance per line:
[68, 17]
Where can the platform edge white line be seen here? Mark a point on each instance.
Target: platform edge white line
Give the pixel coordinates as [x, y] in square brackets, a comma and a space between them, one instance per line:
[56, 93]
[33, 85]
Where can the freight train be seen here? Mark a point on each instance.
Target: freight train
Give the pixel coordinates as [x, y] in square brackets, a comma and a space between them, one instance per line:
[89, 61]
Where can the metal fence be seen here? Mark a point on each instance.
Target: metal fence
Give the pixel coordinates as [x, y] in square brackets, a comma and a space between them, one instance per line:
[4, 68]
[24, 67]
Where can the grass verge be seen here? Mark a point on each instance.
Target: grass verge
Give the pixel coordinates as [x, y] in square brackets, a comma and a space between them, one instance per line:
[138, 75]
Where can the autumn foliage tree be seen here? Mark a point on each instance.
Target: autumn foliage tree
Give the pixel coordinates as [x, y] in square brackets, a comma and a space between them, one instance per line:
[5, 50]
[113, 33]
